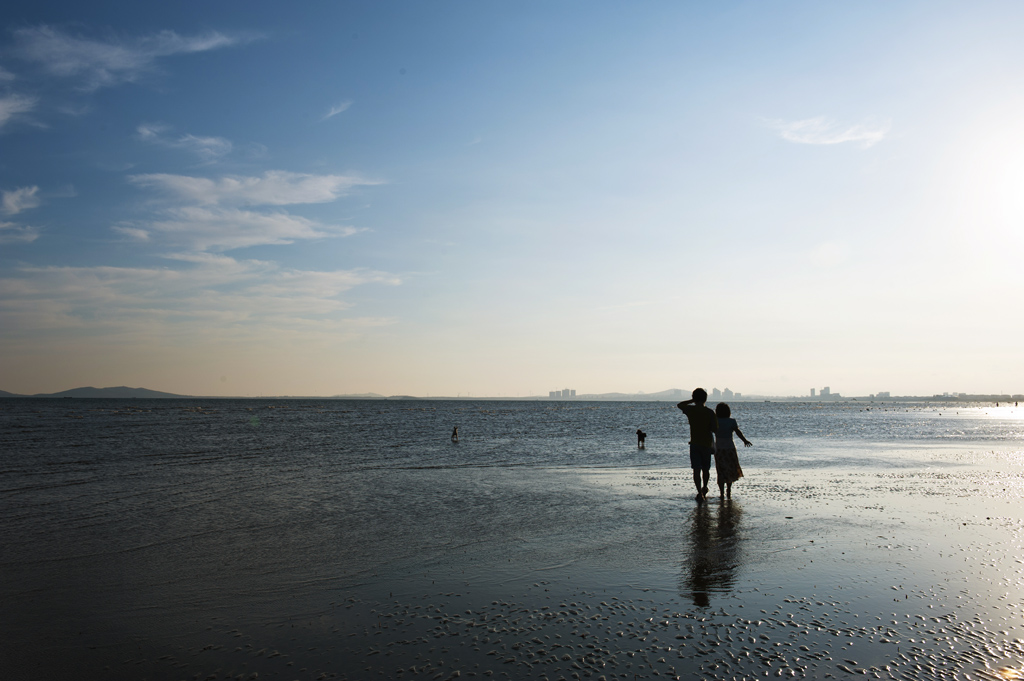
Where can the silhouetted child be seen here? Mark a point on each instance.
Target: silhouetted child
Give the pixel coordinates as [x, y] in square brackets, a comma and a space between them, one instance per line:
[641, 439]
[703, 425]
[727, 462]
[455, 434]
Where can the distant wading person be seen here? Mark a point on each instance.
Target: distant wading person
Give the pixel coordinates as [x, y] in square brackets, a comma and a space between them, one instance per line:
[641, 439]
[727, 463]
[703, 425]
[455, 434]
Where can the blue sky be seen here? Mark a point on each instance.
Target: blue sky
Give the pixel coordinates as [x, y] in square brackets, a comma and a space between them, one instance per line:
[505, 199]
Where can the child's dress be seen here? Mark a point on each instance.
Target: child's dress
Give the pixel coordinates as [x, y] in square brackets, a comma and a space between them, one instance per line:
[727, 462]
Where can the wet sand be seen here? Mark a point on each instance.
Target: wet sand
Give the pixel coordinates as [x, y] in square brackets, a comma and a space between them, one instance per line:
[907, 570]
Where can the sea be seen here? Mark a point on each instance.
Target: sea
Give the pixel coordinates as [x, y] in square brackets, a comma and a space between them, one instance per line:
[353, 539]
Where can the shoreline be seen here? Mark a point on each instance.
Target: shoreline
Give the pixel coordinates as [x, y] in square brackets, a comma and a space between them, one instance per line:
[803, 572]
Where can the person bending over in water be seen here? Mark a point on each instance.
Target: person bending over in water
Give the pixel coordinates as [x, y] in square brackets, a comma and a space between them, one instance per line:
[703, 425]
[455, 434]
[641, 439]
[727, 463]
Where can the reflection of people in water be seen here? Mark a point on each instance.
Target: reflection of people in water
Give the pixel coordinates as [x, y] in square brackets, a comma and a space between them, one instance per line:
[714, 551]
[641, 439]
[455, 434]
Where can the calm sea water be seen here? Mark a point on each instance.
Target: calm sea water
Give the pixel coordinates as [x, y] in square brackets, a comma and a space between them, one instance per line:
[148, 522]
[79, 475]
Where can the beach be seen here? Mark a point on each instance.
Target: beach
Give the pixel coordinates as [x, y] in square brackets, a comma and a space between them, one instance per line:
[152, 539]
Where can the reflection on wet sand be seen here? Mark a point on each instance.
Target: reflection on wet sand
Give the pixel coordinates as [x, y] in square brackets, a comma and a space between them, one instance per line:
[714, 551]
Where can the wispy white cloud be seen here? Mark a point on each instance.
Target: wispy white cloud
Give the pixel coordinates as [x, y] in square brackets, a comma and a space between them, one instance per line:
[13, 105]
[201, 228]
[337, 109]
[20, 199]
[133, 233]
[208, 149]
[821, 130]
[6, 76]
[101, 63]
[220, 214]
[10, 233]
[151, 131]
[205, 295]
[273, 188]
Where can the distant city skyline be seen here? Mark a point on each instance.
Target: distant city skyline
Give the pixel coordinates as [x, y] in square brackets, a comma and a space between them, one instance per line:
[494, 199]
[669, 395]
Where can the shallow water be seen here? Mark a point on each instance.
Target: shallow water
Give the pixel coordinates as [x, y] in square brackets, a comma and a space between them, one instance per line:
[304, 539]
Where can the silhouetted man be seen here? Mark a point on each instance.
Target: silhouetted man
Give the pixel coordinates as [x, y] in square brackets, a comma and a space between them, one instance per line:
[703, 424]
[641, 439]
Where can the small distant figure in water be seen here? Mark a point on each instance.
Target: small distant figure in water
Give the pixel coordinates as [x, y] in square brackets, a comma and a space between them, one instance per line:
[641, 439]
[727, 463]
[455, 434]
[703, 425]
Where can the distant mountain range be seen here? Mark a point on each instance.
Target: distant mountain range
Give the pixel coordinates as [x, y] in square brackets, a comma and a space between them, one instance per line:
[120, 392]
[123, 392]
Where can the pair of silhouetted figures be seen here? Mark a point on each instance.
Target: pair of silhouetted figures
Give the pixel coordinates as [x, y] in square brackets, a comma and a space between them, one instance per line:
[711, 434]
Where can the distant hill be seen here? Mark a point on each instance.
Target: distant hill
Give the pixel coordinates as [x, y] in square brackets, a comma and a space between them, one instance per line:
[669, 395]
[4, 393]
[120, 392]
[360, 396]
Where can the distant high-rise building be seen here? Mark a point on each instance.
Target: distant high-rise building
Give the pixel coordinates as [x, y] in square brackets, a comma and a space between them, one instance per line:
[826, 391]
[812, 392]
[883, 395]
[554, 393]
[716, 394]
[727, 394]
[572, 393]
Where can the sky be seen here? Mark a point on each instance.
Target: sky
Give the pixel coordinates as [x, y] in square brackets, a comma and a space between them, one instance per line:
[502, 199]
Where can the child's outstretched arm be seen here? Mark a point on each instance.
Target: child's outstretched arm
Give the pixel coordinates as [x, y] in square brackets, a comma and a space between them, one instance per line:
[746, 442]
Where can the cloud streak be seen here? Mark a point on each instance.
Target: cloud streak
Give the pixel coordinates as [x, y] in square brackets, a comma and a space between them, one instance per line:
[337, 109]
[230, 212]
[273, 188]
[208, 149]
[11, 233]
[204, 295]
[821, 130]
[20, 199]
[13, 105]
[223, 229]
[104, 63]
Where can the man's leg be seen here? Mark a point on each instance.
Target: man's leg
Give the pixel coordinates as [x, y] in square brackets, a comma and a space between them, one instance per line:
[700, 462]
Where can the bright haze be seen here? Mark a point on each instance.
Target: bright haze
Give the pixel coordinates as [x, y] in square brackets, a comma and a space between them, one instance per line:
[441, 198]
